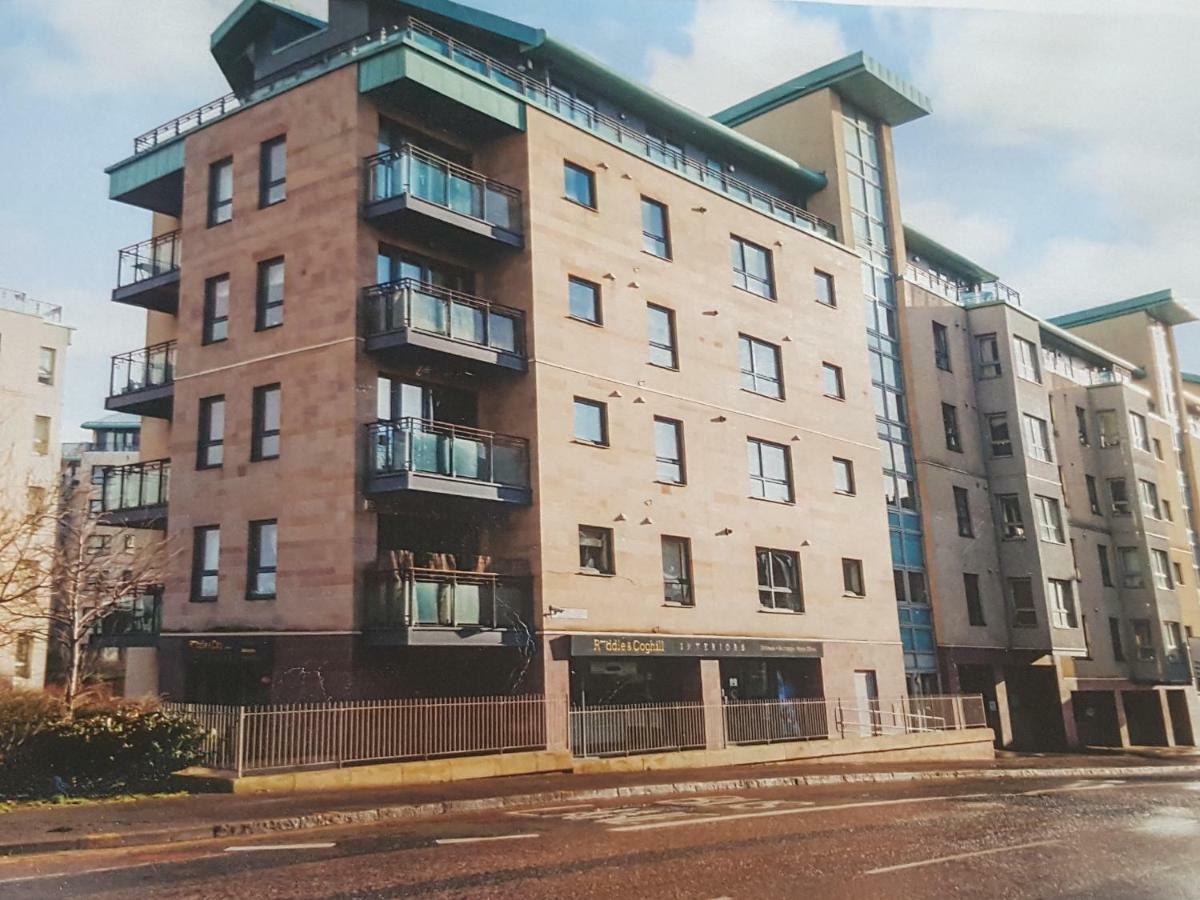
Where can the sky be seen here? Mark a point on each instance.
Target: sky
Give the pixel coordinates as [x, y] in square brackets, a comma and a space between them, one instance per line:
[1060, 152]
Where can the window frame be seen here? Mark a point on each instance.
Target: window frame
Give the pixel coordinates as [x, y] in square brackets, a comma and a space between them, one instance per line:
[602, 408]
[1093, 494]
[206, 441]
[680, 463]
[606, 544]
[263, 305]
[839, 378]
[41, 443]
[1064, 611]
[752, 374]
[1048, 513]
[1160, 569]
[650, 240]
[1012, 529]
[1132, 577]
[200, 570]
[853, 569]
[941, 347]
[993, 442]
[1106, 578]
[267, 182]
[211, 319]
[1037, 437]
[842, 464]
[684, 583]
[255, 568]
[46, 372]
[757, 445]
[259, 433]
[738, 246]
[217, 205]
[1026, 361]
[950, 428]
[987, 368]
[974, 597]
[598, 308]
[1024, 616]
[796, 607]
[962, 511]
[673, 347]
[1116, 639]
[824, 281]
[589, 179]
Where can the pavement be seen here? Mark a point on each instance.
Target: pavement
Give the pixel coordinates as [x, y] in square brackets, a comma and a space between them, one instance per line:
[974, 836]
[201, 816]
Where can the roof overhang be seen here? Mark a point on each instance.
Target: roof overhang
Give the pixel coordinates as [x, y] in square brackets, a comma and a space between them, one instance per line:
[920, 244]
[1162, 306]
[858, 78]
[1055, 336]
[246, 24]
[443, 12]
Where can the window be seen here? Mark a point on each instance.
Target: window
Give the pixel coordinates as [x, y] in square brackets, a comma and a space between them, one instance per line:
[1120, 496]
[220, 192]
[591, 422]
[831, 380]
[260, 573]
[656, 236]
[583, 300]
[210, 444]
[824, 289]
[1137, 432]
[941, 346]
[41, 435]
[1157, 445]
[46, 356]
[216, 309]
[1109, 427]
[1081, 425]
[1166, 510]
[99, 544]
[272, 172]
[595, 550]
[579, 184]
[1027, 359]
[752, 270]
[660, 323]
[761, 369]
[1062, 604]
[974, 600]
[843, 476]
[987, 352]
[1037, 438]
[1173, 641]
[998, 435]
[1114, 635]
[206, 558]
[1148, 491]
[779, 580]
[1020, 590]
[1143, 640]
[1131, 567]
[1178, 570]
[35, 498]
[852, 578]
[1160, 565]
[770, 471]
[1049, 516]
[916, 591]
[962, 510]
[950, 427]
[677, 571]
[1093, 495]
[23, 656]
[269, 301]
[1105, 570]
[664, 151]
[668, 451]
[265, 416]
[1011, 520]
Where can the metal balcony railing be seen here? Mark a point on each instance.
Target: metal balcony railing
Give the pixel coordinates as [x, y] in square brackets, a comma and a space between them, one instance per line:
[136, 616]
[451, 451]
[409, 303]
[138, 370]
[19, 301]
[134, 486]
[409, 170]
[442, 598]
[990, 292]
[148, 259]
[964, 295]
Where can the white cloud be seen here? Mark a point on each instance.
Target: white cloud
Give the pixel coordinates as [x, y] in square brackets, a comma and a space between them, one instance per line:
[977, 236]
[741, 48]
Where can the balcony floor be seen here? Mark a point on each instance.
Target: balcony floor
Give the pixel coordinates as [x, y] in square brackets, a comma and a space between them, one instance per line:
[152, 517]
[158, 294]
[421, 482]
[423, 347]
[154, 402]
[437, 226]
[434, 636]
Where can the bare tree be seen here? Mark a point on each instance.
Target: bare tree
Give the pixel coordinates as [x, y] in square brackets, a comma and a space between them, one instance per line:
[63, 573]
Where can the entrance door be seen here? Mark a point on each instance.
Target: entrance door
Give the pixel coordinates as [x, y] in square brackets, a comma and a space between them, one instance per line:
[866, 702]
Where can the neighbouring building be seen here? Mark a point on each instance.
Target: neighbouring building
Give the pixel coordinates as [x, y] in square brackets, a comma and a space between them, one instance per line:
[33, 351]
[488, 370]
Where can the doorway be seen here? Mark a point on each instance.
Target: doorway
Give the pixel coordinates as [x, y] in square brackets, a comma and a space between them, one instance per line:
[864, 721]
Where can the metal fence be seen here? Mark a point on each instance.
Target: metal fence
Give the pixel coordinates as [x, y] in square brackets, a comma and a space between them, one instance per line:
[137, 370]
[637, 728]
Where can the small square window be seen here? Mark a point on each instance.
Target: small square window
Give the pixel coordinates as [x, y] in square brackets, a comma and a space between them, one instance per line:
[823, 285]
[852, 577]
[583, 300]
[831, 380]
[579, 184]
[843, 476]
[591, 422]
[595, 550]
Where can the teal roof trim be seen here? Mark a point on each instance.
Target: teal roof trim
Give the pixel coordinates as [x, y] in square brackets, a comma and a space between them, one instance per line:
[1190, 377]
[525, 36]
[859, 78]
[1053, 334]
[244, 25]
[1160, 305]
[920, 244]
[114, 422]
[666, 113]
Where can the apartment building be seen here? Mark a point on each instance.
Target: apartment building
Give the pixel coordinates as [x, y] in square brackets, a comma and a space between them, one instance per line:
[33, 349]
[493, 371]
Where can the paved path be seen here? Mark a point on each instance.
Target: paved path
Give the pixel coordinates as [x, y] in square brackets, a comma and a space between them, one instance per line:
[1121, 837]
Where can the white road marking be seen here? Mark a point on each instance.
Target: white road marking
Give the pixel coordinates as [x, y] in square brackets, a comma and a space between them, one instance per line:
[1074, 786]
[955, 856]
[98, 871]
[251, 848]
[477, 840]
[566, 807]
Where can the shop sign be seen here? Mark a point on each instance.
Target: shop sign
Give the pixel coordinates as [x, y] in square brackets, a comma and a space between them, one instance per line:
[656, 645]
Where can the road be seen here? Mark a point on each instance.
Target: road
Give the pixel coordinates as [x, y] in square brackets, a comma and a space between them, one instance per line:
[1127, 838]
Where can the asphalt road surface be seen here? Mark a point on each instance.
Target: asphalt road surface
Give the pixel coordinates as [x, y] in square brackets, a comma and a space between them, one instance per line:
[1127, 838]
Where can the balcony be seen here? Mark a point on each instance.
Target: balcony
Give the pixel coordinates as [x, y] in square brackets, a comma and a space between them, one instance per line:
[142, 382]
[410, 317]
[133, 622]
[991, 292]
[434, 457]
[447, 607]
[410, 186]
[148, 274]
[135, 496]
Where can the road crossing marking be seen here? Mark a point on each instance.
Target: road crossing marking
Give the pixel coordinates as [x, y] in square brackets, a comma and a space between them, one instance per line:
[956, 856]
[251, 848]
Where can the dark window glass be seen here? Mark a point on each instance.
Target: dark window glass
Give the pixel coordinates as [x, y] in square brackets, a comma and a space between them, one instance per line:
[998, 435]
[583, 300]
[950, 427]
[595, 549]
[779, 580]
[677, 571]
[941, 346]
[1114, 633]
[272, 175]
[661, 325]
[962, 509]
[761, 369]
[770, 470]
[1093, 495]
[752, 269]
[220, 192]
[206, 558]
[591, 422]
[210, 445]
[823, 286]
[852, 577]
[1105, 570]
[269, 303]
[1024, 611]
[579, 184]
[264, 443]
[974, 600]
[260, 574]
[656, 237]
[1081, 425]
[216, 309]
[668, 451]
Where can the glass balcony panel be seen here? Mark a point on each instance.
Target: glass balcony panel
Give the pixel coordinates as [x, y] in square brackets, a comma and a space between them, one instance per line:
[500, 208]
[430, 453]
[468, 605]
[464, 196]
[468, 323]
[427, 595]
[428, 312]
[508, 464]
[470, 459]
[502, 332]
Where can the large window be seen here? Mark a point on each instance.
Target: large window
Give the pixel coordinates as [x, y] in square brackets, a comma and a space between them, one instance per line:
[1160, 563]
[998, 435]
[832, 381]
[1012, 522]
[752, 268]
[1049, 516]
[1027, 359]
[987, 355]
[853, 582]
[1131, 567]
[843, 476]
[210, 443]
[1109, 427]
[668, 451]
[677, 571]
[595, 550]
[220, 192]
[1143, 640]
[269, 299]
[591, 422]
[1149, 494]
[974, 600]
[1062, 603]
[950, 427]
[206, 559]
[264, 439]
[779, 580]
[272, 172]
[656, 236]
[660, 323]
[260, 574]
[1020, 591]
[583, 300]
[770, 471]
[1037, 439]
[46, 359]
[216, 309]
[761, 370]
[824, 288]
[579, 185]
[941, 346]
[1137, 431]
[962, 511]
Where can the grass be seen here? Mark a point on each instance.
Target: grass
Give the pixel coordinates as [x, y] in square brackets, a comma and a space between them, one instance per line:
[7, 806]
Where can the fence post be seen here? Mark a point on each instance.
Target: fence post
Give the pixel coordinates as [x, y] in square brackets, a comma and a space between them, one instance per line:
[341, 735]
[959, 721]
[840, 719]
[240, 737]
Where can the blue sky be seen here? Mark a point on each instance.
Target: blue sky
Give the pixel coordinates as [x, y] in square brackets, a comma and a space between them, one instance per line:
[1060, 152]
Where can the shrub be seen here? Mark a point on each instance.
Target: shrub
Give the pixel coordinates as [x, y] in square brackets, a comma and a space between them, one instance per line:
[24, 714]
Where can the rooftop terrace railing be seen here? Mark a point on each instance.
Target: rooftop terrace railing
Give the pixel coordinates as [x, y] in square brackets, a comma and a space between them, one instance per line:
[430, 309]
[19, 301]
[140, 369]
[976, 295]
[148, 259]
